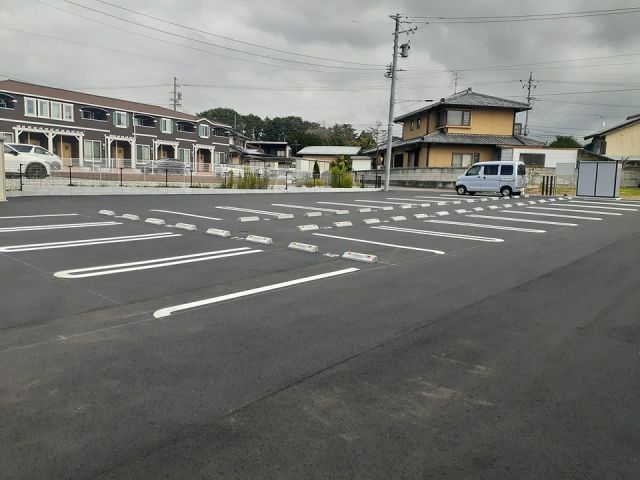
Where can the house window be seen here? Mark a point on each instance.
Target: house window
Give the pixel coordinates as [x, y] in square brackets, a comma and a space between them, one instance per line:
[30, 107]
[166, 126]
[204, 131]
[143, 153]
[184, 155]
[6, 101]
[398, 160]
[56, 110]
[92, 149]
[67, 112]
[517, 129]
[459, 118]
[533, 159]
[120, 119]
[464, 160]
[43, 108]
[418, 123]
[7, 137]
[411, 125]
[221, 157]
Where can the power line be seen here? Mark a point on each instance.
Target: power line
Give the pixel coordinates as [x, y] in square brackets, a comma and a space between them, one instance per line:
[527, 18]
[184, 37]
[233, 39]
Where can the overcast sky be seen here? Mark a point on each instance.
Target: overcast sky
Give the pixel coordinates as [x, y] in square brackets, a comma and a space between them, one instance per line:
[355, 39]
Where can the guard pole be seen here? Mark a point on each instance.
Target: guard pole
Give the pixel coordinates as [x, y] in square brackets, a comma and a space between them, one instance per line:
[3, 186]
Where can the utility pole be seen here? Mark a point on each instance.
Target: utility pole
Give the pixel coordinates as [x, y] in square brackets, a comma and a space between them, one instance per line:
[392, 102]
[529, 85]
[177, 95]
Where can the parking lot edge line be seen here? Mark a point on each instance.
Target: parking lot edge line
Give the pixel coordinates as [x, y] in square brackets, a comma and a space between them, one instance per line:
[165, 312]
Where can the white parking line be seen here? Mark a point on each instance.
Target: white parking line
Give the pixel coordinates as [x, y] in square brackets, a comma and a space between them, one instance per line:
[519, 212]
[575, 210]
[349, 204]
[591, 205]
[39, 216]
[185, 214]
[302, 207]
[387, 203]
[618, 202]
[165, 312]
[524, 220]
[58, 226]
[440, 234]
[248, 210]
[154, 263]
[482, 225]
[91, 241]
[444, 199]
[359, 240]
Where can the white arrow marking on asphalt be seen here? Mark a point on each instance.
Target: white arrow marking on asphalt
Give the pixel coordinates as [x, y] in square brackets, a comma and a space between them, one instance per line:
[165, 312]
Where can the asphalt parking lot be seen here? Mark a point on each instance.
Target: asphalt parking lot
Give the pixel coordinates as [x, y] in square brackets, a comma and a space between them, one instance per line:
[500, 339]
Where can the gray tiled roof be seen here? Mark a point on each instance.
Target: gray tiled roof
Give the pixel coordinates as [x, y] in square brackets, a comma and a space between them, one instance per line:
[464, 139]
[632, 119]
[469, 98]
[329, 150]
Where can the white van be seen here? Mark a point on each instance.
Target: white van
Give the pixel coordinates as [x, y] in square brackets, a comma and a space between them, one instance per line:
[33, 166]
[504, 177]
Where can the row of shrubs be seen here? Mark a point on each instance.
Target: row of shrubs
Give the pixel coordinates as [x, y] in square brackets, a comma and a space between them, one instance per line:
[248, 180]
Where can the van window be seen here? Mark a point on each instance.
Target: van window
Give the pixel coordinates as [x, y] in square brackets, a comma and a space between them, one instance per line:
[491, 169]
[506, 170]
[475, 170]
[522, 170]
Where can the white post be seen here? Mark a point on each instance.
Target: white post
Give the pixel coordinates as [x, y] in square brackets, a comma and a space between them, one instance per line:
[81, 150]
[50, 141]
[3, 195]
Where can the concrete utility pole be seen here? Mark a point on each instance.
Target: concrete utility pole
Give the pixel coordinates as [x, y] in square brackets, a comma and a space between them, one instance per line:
[529, 84]
[177, 95]
[392, 101]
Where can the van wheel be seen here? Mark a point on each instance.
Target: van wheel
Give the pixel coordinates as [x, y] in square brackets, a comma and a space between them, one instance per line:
[461, 189]
[35, 170]
[505, 191]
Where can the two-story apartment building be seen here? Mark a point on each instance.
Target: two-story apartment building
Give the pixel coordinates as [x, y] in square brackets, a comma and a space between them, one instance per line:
[457, 131]
[619, 142]
[94, 131]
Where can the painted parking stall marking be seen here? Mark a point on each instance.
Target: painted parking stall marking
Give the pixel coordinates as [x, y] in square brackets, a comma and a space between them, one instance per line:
[458, 236]
[349, 205]
[40, 216]
[385, 203]
[559, 215]
[360, 240]
[555, 209]
[58, 226]
[185, 214]
[168, 311]
[482, 225]
[524, 220]
[259, 212]
[154, 263]
[87, 242]
[303, 207]
[599, 205]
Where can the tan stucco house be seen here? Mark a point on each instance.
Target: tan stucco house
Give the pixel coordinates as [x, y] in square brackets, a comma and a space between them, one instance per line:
[458, 131]
[620, 142]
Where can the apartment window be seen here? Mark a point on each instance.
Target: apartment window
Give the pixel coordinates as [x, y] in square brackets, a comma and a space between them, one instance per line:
[56, 110]
[184, 155]
[89, 113]
[120, 119]
[463, 160]
[418, 123]
[459, 118]
[43, 108]
[204, 130]
[411, 125]
[67, 112]
[92, 150]
[166, 125]
[533, 159]
[30, 107]
[7, 137]
[6, 101]
[143, 153]
[144, 121]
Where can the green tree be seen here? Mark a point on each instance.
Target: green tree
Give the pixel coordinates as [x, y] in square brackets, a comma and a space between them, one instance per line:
[316, 169]
[565, 142]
